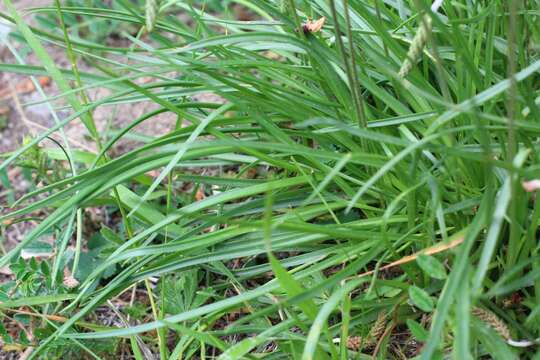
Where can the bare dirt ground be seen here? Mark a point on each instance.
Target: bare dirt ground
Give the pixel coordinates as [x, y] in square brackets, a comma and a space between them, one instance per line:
[23, 113]
[23, 120]
[19, 119]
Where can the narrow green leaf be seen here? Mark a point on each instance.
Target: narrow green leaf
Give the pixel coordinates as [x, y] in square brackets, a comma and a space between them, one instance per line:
[36, 300]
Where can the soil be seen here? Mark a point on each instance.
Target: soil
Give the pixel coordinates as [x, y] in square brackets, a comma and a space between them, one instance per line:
[20, 118]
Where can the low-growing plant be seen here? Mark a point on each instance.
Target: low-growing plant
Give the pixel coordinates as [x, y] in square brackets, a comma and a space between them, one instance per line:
[343, 179]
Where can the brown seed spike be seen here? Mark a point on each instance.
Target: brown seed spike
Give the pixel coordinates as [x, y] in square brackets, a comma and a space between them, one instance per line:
[353, 342]
[492, 320]
[377, 330]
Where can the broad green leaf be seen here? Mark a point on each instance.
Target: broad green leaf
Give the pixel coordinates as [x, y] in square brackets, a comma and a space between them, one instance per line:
[431, 266]
[420, 298]
[417, 330]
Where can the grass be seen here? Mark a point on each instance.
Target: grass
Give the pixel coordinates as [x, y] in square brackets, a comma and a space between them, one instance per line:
[328, 206]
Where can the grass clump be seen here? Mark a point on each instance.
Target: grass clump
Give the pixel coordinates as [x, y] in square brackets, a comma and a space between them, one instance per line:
[309, 195]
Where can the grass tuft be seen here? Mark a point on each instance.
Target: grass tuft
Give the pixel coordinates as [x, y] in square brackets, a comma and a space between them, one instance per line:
[274, 179]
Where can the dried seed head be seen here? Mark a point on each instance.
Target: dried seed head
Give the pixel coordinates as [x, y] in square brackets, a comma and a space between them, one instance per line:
[377, 331]
[151, 14]
[69, 280]
[492, 320]
[313, 27]
[417, 46]
[354, 342]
